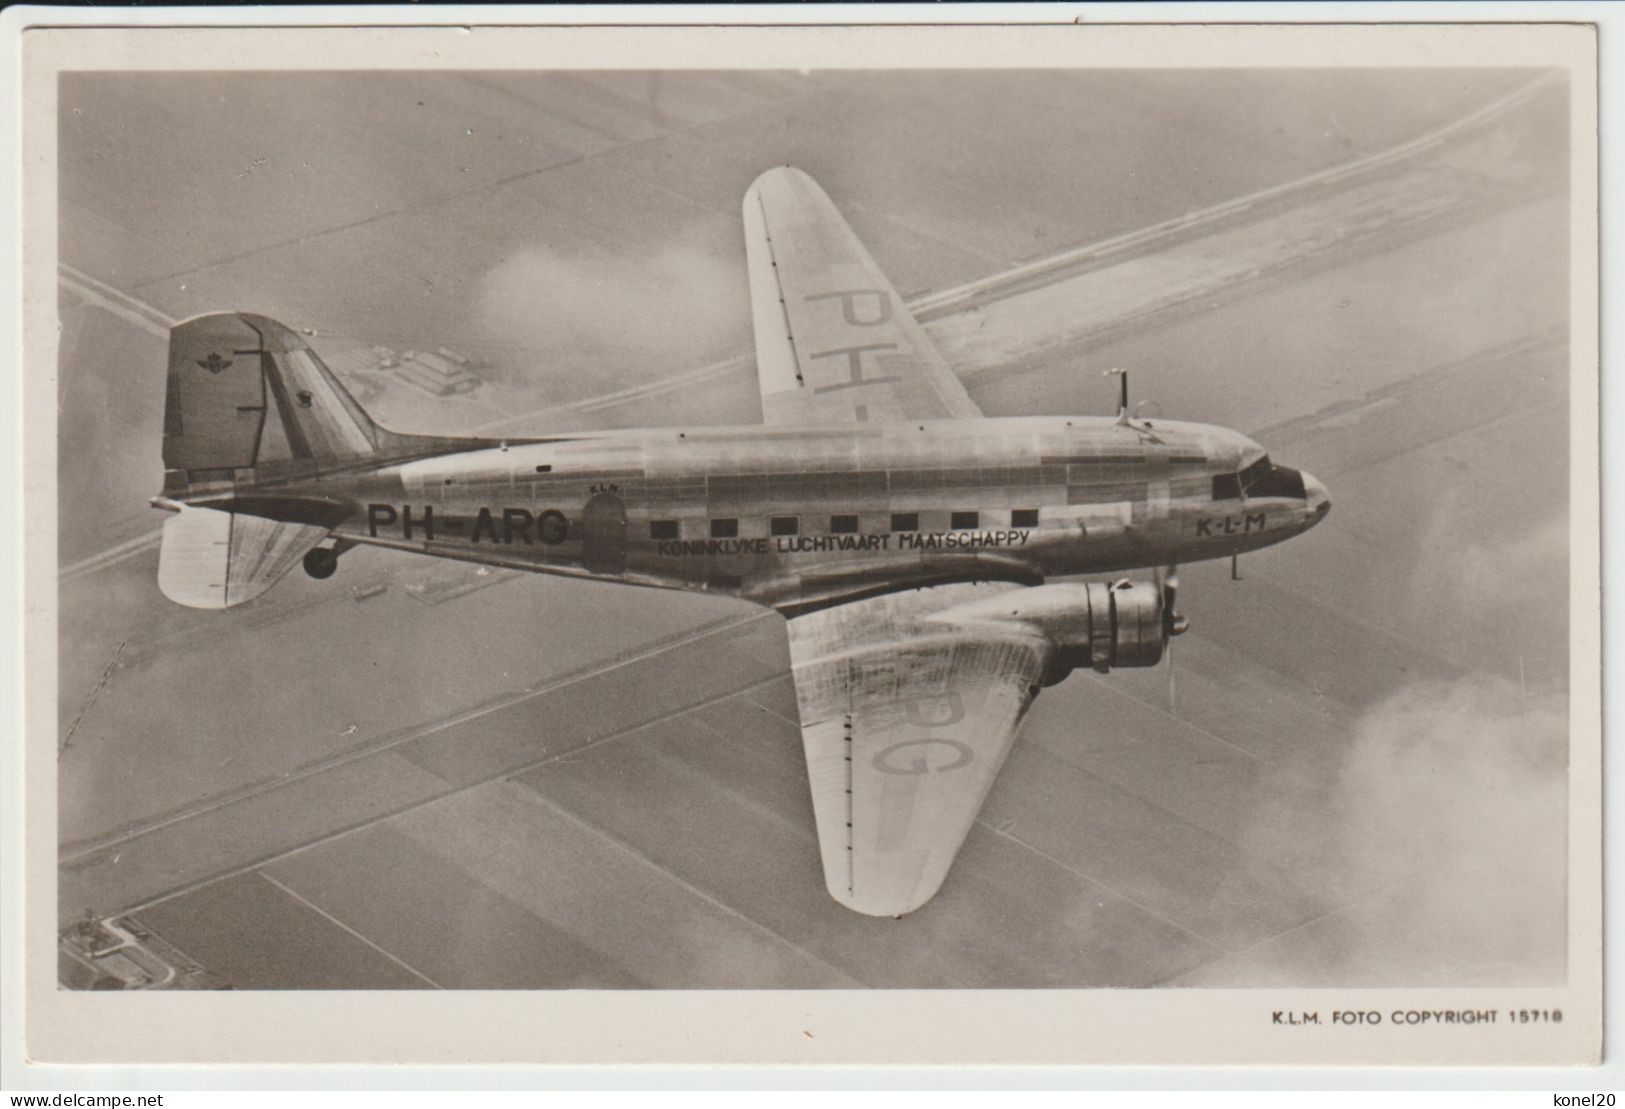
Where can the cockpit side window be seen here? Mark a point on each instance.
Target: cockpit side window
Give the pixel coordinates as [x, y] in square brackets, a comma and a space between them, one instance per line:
[1226, 487]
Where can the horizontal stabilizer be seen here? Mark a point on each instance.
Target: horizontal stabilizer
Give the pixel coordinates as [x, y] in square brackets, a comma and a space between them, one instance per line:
[215, 559]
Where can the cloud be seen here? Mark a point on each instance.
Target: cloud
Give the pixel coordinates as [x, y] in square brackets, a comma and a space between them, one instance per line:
[1499, 603]
[1486, 574]
[1439, 839]
[591, 321]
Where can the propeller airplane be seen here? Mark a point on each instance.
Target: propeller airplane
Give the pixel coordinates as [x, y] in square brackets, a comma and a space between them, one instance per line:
[930, 562]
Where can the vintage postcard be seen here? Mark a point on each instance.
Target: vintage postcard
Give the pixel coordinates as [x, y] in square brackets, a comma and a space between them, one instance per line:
[1049, 544]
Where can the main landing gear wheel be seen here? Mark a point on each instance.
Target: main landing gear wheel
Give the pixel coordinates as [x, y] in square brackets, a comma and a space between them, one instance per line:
[320, 562]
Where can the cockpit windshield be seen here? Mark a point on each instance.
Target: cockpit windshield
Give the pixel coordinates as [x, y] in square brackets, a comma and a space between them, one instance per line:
[1255, 473]
[1261, 478]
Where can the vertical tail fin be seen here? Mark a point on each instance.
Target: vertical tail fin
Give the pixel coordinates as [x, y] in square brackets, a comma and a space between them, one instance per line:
[246, 392]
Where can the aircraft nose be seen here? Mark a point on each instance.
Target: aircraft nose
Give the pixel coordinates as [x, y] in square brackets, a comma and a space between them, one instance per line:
[1316, 499]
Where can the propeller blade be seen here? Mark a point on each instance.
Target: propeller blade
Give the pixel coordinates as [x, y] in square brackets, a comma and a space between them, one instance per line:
[1173, 684]
[1173, 625]
[1172, 622]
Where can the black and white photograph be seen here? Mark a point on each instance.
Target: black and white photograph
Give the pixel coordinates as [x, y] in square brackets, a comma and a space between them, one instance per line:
[623, 528]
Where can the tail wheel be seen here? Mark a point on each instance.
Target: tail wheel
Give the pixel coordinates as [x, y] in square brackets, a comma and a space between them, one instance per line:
[321, 562]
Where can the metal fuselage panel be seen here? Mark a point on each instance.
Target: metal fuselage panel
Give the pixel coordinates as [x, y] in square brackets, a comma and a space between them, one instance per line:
[791, 517]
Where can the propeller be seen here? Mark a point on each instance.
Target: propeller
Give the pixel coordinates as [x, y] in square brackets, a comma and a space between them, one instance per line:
[1173, 625]
[1173, 622]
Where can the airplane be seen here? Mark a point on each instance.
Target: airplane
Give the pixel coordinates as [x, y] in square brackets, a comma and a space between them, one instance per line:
[930, 562]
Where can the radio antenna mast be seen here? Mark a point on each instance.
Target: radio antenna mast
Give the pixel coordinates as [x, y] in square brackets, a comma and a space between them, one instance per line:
[1122, 403]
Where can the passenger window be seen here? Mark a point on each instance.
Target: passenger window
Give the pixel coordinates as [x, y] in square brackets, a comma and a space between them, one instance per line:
[662, 529]
[1226, 487]
[724, 529]
[1024, 518]
[784, 525]
[843, 525]
[905, 521]
[961, 521]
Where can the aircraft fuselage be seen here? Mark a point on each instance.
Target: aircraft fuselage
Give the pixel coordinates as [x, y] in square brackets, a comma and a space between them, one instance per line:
[799, 518]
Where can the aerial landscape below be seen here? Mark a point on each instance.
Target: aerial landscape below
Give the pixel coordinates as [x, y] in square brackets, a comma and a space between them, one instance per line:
[415, 773]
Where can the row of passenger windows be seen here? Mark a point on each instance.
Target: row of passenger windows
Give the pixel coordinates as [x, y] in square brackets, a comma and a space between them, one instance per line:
[727, 527]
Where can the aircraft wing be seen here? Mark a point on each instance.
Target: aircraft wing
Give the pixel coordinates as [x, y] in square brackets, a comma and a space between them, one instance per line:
[834, 341]
[907, 713]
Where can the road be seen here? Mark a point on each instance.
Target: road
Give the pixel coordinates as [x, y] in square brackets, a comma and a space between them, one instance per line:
[472, 793]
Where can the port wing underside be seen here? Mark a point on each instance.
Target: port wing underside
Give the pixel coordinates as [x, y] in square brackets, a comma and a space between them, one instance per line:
[834, 342]
[907, 713]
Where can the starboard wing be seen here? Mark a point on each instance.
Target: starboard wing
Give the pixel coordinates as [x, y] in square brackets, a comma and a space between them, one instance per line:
[907, 713]
[834, 341]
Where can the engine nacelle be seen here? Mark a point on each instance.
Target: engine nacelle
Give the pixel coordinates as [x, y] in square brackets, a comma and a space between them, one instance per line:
[1100, 625]
[1113, 624]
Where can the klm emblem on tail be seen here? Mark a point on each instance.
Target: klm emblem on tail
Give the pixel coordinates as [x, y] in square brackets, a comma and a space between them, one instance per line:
[214, 363]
